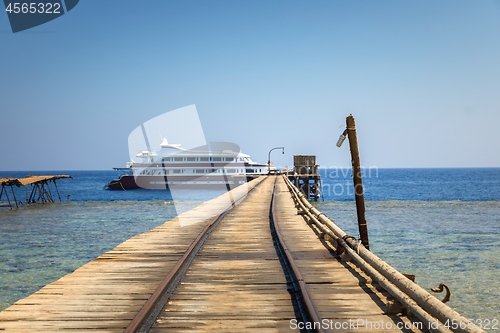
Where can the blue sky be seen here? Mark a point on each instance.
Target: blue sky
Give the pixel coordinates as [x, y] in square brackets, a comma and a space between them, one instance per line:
[421, 78]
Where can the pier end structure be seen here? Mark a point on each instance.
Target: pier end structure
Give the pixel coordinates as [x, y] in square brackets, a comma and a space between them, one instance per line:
[305, 176]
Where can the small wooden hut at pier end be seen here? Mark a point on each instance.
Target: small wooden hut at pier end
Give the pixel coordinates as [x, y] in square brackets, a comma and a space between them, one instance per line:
[305, 175]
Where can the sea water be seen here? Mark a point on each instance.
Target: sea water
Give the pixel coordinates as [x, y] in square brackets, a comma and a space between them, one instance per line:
[443, 225]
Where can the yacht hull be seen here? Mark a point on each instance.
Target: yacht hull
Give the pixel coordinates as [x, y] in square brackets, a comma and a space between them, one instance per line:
[130, 182]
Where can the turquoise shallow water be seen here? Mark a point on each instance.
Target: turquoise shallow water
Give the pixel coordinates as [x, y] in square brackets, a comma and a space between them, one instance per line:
[41, 243]
[443, 225]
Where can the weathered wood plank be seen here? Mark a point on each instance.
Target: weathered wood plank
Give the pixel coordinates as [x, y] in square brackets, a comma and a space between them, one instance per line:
[105, 294]
[236, 282]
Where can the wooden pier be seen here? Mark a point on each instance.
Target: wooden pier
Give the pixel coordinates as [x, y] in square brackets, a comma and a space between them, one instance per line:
[40, 189]
[238, 280]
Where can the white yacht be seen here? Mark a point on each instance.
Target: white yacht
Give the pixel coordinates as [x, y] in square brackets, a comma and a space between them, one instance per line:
[214, 165]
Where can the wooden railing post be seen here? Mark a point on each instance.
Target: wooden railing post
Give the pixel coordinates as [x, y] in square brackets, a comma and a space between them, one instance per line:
[358, 183]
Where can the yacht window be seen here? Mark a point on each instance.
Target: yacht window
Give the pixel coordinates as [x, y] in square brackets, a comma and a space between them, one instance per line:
[176, 171]
[199, 171]
[250, 170]
[217, 159]
[191, 158]
[177, 158]
[231, 170]
[204, 159]
[229, 159]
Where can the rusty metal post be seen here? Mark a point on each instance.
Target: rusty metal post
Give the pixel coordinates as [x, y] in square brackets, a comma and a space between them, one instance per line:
[358, 183]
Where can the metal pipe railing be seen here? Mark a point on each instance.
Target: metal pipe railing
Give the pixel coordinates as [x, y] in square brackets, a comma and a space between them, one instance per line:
[420, 302]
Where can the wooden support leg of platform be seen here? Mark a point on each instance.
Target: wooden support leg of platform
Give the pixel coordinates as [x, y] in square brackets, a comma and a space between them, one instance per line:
[48, 191]
[58, 194]
[41, 195]
[14, 194]
[6, 194]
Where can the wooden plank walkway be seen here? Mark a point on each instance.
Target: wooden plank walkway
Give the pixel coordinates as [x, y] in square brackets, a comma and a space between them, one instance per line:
[105, 294]
[235, 284]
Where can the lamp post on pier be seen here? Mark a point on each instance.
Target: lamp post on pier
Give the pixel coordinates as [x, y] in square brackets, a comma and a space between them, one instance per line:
[359, 196]
[269, 158]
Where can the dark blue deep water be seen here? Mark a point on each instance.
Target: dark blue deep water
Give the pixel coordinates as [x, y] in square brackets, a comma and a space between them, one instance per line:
[464, 184]
[441, 224]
